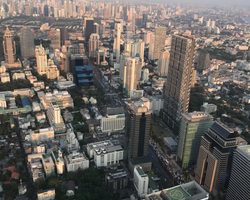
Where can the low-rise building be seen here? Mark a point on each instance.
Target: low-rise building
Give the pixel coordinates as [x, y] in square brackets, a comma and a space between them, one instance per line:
[76, 160]
[208, 108]
[48, 165]
[3, 103]
[116, 180]
[108, 156]
[140, 181]
[42, 135]
[59, 162]
[91, 147]
[64, 85]
[18, 75]
[48, 194]
[5, 77]
[186, 191]
[62, 98]
[114, 120]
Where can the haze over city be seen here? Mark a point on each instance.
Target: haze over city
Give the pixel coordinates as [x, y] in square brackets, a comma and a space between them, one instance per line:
[124, 100]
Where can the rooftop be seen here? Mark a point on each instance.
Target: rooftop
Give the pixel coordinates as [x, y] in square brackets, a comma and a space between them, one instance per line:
[140, 171]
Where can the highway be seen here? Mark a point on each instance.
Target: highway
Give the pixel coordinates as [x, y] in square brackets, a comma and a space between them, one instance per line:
[154, 159]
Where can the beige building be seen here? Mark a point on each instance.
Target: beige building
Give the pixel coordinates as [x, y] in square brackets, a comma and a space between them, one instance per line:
[163, 62]
[131, 72]
[9, 47]
[94, 43]
[41, 60]
[27, 43]
[42, 135]
[52, 72]
[62, 98]
[48, 194]
[157, 42]
[5, 77]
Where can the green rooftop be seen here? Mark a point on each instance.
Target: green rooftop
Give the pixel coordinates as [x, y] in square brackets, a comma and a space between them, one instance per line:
[151, 183]
[176, 193]
[140, 171]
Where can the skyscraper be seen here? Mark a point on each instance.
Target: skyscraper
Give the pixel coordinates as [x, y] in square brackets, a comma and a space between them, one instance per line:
[193, 126]
[138, 48]
[133, 22]
[97, 28]
[215, 158]
[117, 41]
[41, 60]
[131, 72]
[46, 10]
[239, 179]
[54, 36]
[144, 19]
[138, 128]
[9, 47]
[203, 61]
[180, 73]
[158, 42]
[27, 43]
[89, 28]
[163, 62]
[64, 35]
[94, 42]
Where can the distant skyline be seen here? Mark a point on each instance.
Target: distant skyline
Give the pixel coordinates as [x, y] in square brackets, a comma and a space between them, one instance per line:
[207, 2]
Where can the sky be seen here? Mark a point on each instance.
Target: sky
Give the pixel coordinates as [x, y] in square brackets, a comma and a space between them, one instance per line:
[210, 2]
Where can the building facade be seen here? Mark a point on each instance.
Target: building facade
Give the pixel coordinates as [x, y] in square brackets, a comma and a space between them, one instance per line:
[240, 173]
[94, 43]
[76, 160]
[163, 62]
[140, 181]
[193, 126]
[9, 47]
[180, 73]
[215, 156]
[108, 156]
[41, 60]
[138, 128]
[27, 43]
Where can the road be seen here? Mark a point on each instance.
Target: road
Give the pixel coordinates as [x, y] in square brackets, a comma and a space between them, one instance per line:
[114, 99]
[29, 182]
[154, 159]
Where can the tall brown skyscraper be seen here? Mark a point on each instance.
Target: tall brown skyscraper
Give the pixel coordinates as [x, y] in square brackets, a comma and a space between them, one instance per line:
[138, 127]
[215, 158]
[27, 43]
[180, 73]
[9, 47]
[203, 61]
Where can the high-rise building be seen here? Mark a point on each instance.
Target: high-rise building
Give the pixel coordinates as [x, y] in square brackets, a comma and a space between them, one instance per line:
[46, 10]
[27, 43]
[89, 28]
[131, 72]
[64, 35]
[239, 179]
[94, 42]
[117, 41]
[133, 22]
[138, 48]
[54, 36]
[54, 113]
[163, 62]
[141, 181]
[193, 126]
[180, 73]
[215, 158]
[138, 128]
[96, 28]
[9, 47]
[41, 60]
[203, 61]
[158, 42]
[144, 20]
